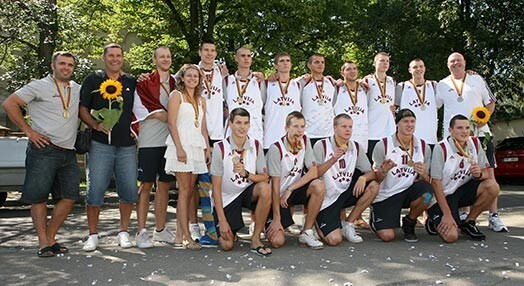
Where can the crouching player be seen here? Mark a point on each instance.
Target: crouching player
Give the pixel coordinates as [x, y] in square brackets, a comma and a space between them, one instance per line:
[460, 177]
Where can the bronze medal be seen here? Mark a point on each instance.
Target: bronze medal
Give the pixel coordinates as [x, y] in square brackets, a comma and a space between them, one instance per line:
[66, 114]
[197, 124]
[460, 99]
[423, 107]
[321, 102]
[240, 100]
[383, 100]
[411, 163]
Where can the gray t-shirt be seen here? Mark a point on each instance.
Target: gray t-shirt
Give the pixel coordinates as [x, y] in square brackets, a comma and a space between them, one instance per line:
[438, 160]
[362, 164]
[45, 108]
[153, 132]
[273, 159]
[217, 164]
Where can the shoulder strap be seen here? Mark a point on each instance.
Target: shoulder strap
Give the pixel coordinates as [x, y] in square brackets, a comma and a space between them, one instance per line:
[324, 144]
[423, 143]
[257, 145]
[221, 146]
[358, 148]
[279, 147]
[443, 146]
[403, 84]
[226, 80]
[385, 140]
[475, 143]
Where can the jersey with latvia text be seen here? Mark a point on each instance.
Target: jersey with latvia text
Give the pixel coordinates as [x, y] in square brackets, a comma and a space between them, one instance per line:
[292, 164]
[358, 111]
[213, 94]
[317, 107]
[279, 103]
[381, 121]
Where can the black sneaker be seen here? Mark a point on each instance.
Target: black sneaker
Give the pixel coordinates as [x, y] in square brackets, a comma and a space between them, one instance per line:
[430, 227]
[408, 226]
[470, 229]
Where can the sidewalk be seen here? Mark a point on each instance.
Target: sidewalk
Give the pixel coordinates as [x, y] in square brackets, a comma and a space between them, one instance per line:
[497, 261]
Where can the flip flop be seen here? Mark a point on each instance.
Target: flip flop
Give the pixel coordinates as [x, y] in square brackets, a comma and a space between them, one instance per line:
[258, 250]
[192, 245]
[59, 249]
[46, 252]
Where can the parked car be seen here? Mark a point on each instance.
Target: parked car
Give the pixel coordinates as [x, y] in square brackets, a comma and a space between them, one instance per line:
[509, 155]
[12, 165]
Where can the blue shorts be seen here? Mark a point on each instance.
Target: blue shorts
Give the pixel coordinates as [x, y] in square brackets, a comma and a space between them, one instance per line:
[102, 162]
[50, 170]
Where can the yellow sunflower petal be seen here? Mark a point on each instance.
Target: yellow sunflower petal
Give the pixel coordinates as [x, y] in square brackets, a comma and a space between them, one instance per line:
[481, 115]
[110, 89]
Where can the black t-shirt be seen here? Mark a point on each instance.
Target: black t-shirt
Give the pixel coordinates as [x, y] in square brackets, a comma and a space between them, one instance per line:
[120, 134]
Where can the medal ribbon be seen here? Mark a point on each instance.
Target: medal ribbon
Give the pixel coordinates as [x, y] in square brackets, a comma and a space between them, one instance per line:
[194, 104]
[320, 89]
[164, 88]
[463, 151]
[354, 98]
[242, 90]
[284, 90]
[380, 87]
[65, 102]
[409, 150]
[421, 97]
[459, 90]
[209, 81]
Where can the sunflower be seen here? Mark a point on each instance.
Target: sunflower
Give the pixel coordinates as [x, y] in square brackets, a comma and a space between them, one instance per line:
[480, 115]
[110, 89]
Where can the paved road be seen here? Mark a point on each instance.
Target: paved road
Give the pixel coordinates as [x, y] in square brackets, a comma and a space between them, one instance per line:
[497, 261]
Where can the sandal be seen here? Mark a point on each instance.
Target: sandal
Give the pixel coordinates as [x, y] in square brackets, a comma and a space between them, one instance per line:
[46, 252]
[192, 245]
[262, 250]
[59, 249]
[178, 245]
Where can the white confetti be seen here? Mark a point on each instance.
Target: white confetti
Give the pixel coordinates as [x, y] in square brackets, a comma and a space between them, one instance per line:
[94, 282]
[482, 271]
[348, 284]
[89, 265]
[331, 279]
[109, 280]
[228, 276]
[388, 258]
[439, 282]
[292, 266]
[517, 264]
[22, 276]
[364, 271]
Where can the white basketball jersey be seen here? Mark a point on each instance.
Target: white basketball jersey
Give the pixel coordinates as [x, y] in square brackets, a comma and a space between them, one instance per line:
[318, 109]
[426, 113]
[381, 121]
[456, 167]
[214, 97]
[358, 111]
[291, 164]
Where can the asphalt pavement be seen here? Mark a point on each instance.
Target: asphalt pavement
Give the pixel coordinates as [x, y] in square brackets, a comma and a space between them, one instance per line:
[497, 261]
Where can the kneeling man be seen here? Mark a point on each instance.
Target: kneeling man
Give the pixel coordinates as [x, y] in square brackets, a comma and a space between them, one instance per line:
[460, 177]
[349, 180]
[401, 163]
[239, 179]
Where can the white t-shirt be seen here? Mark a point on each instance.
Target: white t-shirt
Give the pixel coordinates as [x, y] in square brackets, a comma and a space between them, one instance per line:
[475, 93]
[427, 120]
[381, 122]
[213, 94]
[358, 111]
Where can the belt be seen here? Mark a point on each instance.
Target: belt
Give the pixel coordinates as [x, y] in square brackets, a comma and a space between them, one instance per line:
[60, 148]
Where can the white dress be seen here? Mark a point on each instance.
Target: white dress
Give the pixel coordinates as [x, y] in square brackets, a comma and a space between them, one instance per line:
[193, 142]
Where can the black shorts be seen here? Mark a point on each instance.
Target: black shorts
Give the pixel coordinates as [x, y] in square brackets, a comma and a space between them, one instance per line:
[151, 165]
[328, 219]
[233, 211]
[386, 214]
[490, 150]
[371, 147]
[298, 197]
[464, 196]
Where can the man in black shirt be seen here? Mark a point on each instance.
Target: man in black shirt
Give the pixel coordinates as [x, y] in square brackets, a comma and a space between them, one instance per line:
[113, 150]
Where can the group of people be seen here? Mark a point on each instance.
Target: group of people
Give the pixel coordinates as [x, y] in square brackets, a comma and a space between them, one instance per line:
[241, 140]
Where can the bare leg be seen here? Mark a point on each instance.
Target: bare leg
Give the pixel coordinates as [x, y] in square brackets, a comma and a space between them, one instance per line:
[93, 213]
[193, 206]
[62, 209]
[261, 193]
[186, 183]
[125, 215]
[315, 192]
[161, 201]
[486, 192]
[142, 207]
[39, 216]
[364, 202]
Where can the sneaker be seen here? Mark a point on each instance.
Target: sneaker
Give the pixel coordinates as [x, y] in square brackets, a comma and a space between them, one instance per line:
[293, 229]
[463, 216]
[142, 239]
[308, 238]
[252, 230]
[496, 224]
[470, 229]
[408, 227]
[349, 233]
[206, 241]
[194, 228]
[163, 236]
[430, 227]
[91, 243]
[124, 240]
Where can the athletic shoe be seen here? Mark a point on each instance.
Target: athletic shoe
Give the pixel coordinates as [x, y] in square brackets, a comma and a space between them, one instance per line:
[293, 229]
[349, 233]
[252, 230]
[206, 241]
[124, 240]
[470, 229]
[308, 238]
[496, 224]
[163, 236]
[463, 216]
[91, 243]
[430, 227]
[194, 228]
[408, 227]
[142, 239]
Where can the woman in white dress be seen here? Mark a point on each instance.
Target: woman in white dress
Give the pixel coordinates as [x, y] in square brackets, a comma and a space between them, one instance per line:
[187, 145]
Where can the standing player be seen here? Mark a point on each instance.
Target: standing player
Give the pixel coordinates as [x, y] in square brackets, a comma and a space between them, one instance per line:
[347, 173]
[242, 89]
[460, 93]
[282, 97]
[150, 109]
[318, 93]
[419, 95]
[401, 164]
[239, 179]
[460, 177]
[287, 159]
[381, 102]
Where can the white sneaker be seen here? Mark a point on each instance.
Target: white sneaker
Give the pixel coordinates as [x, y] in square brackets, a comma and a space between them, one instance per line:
[91, 243]
[463, 216]
[124, 240]
[142, 239]
[252, 230]
[308, 238]
[194, 228]
[163, 236]
[349, 233]
[496, 224]
[293, 229]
